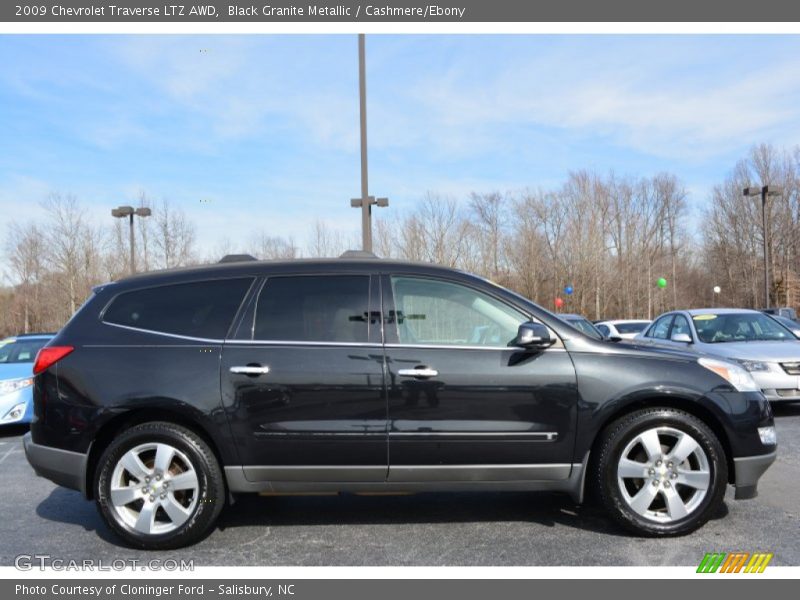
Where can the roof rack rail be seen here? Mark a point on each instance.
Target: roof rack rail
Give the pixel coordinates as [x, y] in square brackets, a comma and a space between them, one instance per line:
[34, 334]
[232, 258]
[358, 254]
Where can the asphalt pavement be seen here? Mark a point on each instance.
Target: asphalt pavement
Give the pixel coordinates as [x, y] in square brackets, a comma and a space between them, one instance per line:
[37, 517]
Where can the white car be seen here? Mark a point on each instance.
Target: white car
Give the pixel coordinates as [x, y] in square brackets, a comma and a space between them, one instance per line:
[627, 329]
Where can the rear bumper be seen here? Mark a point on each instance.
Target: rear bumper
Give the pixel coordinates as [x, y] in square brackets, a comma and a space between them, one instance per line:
[63, 467]
[749, 470]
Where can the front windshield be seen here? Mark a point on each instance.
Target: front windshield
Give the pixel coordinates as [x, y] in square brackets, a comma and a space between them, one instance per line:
[740, 327]
[20, 351]
[584, 326]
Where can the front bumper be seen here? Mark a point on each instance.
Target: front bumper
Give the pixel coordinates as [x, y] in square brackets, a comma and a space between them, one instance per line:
[778, 386]
[9, 401]
[63, 467]
[748, 470]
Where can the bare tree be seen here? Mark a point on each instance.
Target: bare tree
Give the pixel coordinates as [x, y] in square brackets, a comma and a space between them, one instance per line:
[173, 236]
[25, 252]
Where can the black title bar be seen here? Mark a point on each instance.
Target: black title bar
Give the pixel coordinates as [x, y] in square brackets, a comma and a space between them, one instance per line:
[400, 11]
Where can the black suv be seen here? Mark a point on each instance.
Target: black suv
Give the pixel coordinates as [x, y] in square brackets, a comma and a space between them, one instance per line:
[169, 393]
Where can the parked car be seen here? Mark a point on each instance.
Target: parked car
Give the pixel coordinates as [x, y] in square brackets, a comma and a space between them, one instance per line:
[626, 329]
[792, 326]
[582, 324]
[785, 311]
[16, 376]
[763, 346]
[170, 393]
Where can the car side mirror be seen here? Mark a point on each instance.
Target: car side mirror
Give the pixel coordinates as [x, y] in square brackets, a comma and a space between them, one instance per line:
[533, 336]
[684, 338]
[613, 338]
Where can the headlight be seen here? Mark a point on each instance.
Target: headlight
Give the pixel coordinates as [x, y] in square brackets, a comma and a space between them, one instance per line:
[12, 385]
[738, 377]
[755, 366]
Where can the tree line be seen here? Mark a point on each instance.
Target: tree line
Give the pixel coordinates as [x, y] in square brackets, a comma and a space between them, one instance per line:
[608, 237]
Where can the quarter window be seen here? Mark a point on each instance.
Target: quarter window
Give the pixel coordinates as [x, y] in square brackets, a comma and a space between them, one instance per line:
[438, 312]
[314, 309]
[202, 309]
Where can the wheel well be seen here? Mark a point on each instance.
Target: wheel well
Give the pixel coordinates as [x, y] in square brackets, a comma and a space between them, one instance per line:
[129, 419]
[688, 406]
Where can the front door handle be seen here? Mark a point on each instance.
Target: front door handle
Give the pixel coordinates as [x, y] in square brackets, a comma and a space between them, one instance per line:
[423, 372]
[250, 370]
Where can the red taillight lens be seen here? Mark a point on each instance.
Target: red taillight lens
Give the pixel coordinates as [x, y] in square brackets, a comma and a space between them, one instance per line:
[49, 356]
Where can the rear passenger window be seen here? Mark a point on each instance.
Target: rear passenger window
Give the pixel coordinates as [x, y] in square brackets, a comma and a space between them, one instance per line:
[313, 309]
[201, 309]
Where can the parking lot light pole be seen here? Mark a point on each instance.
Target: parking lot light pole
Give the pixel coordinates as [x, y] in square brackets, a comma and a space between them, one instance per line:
[365, 202]
[128, 211]
[765, 192]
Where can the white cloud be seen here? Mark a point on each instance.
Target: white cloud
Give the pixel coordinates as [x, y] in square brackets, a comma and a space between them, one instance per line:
[658, 109]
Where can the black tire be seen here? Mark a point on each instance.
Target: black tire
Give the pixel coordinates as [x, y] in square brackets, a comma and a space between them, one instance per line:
[622, 432]
[210, 485]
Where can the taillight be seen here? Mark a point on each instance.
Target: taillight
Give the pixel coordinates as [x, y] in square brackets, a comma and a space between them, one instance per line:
[49, 356]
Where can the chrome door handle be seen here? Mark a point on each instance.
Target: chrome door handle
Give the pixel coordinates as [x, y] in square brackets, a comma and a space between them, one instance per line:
[422, 372]
[249, 370]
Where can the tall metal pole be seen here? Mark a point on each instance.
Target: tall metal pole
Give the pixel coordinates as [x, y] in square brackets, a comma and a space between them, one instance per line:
[133, 250]
[764, 191]
[366, 205]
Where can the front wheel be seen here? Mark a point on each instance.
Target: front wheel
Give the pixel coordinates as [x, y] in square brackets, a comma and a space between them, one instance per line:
[159, 486]
[660, 472]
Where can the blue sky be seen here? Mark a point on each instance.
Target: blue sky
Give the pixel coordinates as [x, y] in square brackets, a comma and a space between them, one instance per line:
[264, 128]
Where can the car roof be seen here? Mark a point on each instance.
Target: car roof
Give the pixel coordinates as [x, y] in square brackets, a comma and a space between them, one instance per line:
[29, 336]
[248, 267]
[719, 311]
[622, 321]
[570, 316]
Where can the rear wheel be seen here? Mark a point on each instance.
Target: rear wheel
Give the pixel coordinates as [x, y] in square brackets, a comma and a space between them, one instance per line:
[159, 486]
[661, 472]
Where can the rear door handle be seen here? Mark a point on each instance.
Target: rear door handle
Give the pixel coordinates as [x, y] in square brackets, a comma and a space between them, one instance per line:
[418, 372]
[249, 370]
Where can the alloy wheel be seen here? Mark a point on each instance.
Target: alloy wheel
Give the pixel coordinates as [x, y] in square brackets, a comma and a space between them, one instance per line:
[154, 488]
[663, 474]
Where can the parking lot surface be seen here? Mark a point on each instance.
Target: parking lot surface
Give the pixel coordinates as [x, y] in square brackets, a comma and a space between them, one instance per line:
[37, 517]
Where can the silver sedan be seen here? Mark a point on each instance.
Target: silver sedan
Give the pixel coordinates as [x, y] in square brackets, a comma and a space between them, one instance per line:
[759, 343]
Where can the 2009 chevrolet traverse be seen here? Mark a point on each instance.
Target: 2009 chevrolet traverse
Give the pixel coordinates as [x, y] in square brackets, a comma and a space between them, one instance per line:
[170, 392]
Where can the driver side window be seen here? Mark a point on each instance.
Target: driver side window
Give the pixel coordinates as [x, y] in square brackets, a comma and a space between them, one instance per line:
[434, 312]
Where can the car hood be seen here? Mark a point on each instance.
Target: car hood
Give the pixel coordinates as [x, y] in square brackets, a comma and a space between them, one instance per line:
[16, 371]
[764, 351]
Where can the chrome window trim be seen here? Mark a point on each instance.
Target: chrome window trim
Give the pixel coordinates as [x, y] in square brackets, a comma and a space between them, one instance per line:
[231, 341]
[302, 343]
[465, 347]
[165, 334]
[377, 345]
